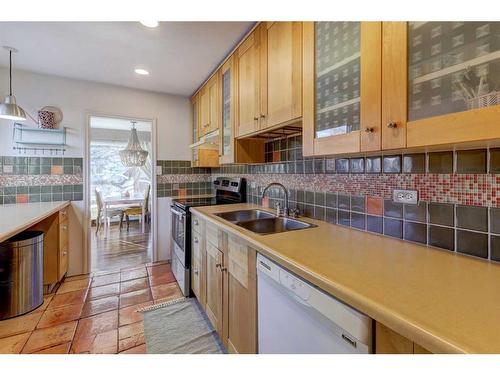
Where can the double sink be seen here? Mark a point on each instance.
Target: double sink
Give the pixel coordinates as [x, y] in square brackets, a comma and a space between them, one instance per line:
[263, 222]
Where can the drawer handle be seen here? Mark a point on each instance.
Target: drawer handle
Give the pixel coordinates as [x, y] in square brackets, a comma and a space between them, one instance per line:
[392, 125]
[195, 240]
[255, 118]
[369, 130]
[349, 340]
[196, 272]
[262, 116]
[219, 265]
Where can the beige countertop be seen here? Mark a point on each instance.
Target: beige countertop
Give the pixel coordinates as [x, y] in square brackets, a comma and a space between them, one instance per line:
[15, 218]
[445, 302]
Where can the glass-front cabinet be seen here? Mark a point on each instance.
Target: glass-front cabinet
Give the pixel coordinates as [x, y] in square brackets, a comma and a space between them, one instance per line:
[453, 71]
[341, 82]
[227, 110]
[195, 127]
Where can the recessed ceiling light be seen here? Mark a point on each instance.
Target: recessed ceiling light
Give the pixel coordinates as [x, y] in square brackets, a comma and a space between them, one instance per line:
[150, 23]
[142, 72]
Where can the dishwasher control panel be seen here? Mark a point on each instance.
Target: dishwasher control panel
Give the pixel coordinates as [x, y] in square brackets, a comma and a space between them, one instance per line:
[295, 285]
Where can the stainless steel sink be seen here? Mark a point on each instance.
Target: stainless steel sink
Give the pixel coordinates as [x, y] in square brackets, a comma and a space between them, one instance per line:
[244, 215]
[274, 225]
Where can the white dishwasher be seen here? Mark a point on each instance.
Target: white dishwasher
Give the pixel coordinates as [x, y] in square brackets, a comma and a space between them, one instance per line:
[296, 317]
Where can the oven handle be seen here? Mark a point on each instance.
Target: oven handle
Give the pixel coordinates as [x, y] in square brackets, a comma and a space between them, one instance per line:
[176, 212]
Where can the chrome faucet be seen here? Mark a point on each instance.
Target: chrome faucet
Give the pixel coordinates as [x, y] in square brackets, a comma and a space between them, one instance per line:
[286, 208]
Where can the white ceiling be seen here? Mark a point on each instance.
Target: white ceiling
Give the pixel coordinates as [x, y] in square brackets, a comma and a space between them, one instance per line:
[178, 55]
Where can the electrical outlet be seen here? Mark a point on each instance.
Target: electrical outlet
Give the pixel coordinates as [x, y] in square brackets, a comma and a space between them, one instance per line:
[159, 170]
[405, 196]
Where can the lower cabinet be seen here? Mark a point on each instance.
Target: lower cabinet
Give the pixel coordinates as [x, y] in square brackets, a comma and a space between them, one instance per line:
[55, 247]
[224, 282]
[388, 341]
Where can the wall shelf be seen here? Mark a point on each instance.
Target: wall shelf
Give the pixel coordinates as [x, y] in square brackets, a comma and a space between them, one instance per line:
[27, 135]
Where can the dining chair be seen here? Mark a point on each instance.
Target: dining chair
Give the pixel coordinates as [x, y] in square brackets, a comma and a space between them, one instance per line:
[142, 209]
[112, 212]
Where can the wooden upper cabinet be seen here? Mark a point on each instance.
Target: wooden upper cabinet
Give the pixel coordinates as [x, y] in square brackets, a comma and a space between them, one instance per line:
[342, 87]
[209, 105]
[228, 111]
[394, 85]
[282, 56]
[248, 85]
[440, 83]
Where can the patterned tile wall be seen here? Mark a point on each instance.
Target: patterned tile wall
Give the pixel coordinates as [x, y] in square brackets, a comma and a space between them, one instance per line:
[179, 179]
[40, 179]
[459, 193]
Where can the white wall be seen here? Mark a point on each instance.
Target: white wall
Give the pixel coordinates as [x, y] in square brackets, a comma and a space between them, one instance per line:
[77, 99]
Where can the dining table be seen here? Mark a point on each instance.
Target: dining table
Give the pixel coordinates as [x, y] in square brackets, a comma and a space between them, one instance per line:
[118, 201]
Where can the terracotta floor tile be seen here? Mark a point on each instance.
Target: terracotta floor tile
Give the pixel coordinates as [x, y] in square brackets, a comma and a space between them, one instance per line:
[48, 337]
[105, 279]
[13, 344]
[129, 315]
[100, 343]
[78, 277]
[162, 279]
[97, 324]
[103, 291]
[21, 324]
[46, 301]
[134, 274]
[166, 291]
[98, 306]
[134, 298]
[141, 349]
[58, 349]
[159, 270]
[71, 298]
[130, 336]
[53, 317]
[71, 286]
[133, 285]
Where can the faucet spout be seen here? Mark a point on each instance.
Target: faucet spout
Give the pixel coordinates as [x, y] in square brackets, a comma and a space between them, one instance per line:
[277, 184]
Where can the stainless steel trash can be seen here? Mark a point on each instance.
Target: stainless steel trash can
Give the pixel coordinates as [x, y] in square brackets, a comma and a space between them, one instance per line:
[21, 274]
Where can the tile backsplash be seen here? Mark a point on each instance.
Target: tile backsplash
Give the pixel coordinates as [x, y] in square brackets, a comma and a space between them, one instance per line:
[459, 193]
[179, 179]
[40, 179]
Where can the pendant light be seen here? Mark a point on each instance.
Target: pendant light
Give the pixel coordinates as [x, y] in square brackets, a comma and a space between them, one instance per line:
[133, 155]
[9, 110]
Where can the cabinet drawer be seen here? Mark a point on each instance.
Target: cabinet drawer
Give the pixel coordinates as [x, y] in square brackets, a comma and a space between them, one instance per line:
[63, 260]
[196, 277]
[196, 246]
[212, 233]
[196, 224]
[238, 259]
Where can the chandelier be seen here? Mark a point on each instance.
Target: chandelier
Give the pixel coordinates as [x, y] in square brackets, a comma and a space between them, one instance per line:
[133, 155]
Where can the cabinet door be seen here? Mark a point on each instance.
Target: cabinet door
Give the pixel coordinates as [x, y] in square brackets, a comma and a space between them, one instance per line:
[204, 110]
[213, 306]
[248, 85]
[240, 297]
[227, 84]
[63, 249]
[453, 82]
[214, 91]
[341, 84]
[284, 72]
[394, 85]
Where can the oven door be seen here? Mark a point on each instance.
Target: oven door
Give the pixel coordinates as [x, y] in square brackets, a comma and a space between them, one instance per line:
[179, 222]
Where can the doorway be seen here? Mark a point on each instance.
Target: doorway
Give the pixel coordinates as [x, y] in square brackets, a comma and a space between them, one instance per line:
[120, 186]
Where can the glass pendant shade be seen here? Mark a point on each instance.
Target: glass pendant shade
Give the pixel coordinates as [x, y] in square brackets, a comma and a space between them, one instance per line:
[9, 110]
[133, 155]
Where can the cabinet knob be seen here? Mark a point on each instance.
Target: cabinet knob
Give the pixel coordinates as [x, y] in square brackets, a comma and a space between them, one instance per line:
[369, 130]
[392, 125]
[64, 253]
[256, 118]
[218, 265]
[262, 116]
[195, 240]
[223, 269]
